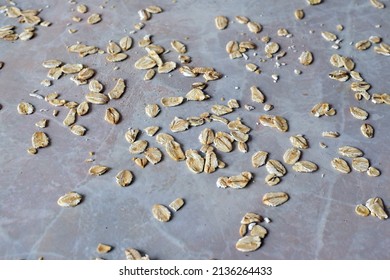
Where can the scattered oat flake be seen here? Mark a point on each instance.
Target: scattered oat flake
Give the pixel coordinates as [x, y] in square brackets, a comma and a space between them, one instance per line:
[178, 46]
[305, 166]
[78, 129]
[306, 58]
[299, 14]
[94, 18]
[349, 151]
[152, 110]
[254, 27]
[275, 198]
[221, 22]
[360, 164]
[340, 165]
[362, 210]
[161, 213]
[373, 172]
[248, 243]
[124, 178]
[377, 4]
[375, 205]
[25, 108]
[299, 141]
[70, 199]
[40, 140]
[291, 155]
[98, 170]
[275, 167]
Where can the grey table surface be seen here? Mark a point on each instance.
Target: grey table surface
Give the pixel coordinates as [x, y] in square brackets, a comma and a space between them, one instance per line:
[318, 222]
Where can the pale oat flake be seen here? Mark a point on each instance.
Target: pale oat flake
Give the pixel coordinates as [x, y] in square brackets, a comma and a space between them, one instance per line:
[306, 58]
[178, 46]
[248, 243]
[299, 14]
[275, 167]
[138, 146]
[360, 164]
[221, 22]
[94, 18]
[305, 166]
[271, 180]
[152, 110]
[375, 205]
[291, 155]
[373, 172]
[358, 113]
[254, 27]
[70, 118]
[176, 204]
[259, 231]
[362, 210]
[112, 116]
[257, 95]
[98, 170]
[40, 140]
[25, 108]
[78, 130]
[124, 178]
[275, 198]
[367, 130]
[171, 101]
[118, 89]
[131, 135]
[299, 141]
[103, 248]
[96, 98]
[340, 165]
[153, 155]
[194, 161]
[174, 150]
[70, 199]
[349, 151]
[82, 108]
[161, 213]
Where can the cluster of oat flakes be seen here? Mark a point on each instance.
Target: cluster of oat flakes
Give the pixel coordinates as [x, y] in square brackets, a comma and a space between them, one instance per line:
[205, 158]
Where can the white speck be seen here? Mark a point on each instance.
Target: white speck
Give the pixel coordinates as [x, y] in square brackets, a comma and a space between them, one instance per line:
[248, 107]
[245, 56]
[338, 41]
[251, 225]
[351, 43]
[311, 31]
[297, 72]
[255, 53]
[322, 175]
[277, 64]
[43, 110]
[378, 26]
[236, 87]
[289, 35]
[132, 32]
[36, 95]
[170, 75]
[335, 46]
[267, 220]
[275, 77]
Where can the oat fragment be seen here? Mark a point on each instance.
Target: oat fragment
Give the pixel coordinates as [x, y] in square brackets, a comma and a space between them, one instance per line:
[171, 101]
[176, 204]
[103, 248]
[341, 165]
